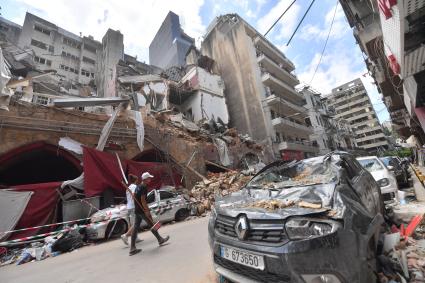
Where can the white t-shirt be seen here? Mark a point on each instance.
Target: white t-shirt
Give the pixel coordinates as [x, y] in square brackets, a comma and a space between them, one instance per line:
[130, 200]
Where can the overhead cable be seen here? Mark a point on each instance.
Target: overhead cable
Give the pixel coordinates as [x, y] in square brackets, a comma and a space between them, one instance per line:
[302, 19]
[326, 43]
[279, 18]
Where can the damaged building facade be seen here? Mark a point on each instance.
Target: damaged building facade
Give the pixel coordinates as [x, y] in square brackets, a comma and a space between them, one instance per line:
[259, 88]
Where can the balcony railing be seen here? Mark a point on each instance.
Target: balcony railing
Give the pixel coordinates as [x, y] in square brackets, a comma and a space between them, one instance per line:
[275, 99]
[281, 87]
[278, 70]
[298, 145]
[288, 122]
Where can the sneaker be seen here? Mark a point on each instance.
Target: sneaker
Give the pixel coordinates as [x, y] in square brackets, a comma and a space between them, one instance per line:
[133, 252]
[163, 240]
[124, 238]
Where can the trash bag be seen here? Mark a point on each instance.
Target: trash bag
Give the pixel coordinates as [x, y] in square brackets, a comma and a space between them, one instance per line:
[69, 241]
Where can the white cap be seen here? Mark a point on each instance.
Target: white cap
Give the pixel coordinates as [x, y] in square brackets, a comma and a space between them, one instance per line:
[146, 175]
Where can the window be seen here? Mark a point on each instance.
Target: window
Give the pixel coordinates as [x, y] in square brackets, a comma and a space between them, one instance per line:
[85, 73]
[165, 195]
[151, 197]
[42, 100]
[38, 44]
[42, 61]
[90, 48]
[273, 114]
[51, 49]
[4, 28]
[71, 42]
[42, 29]
[88, 60]
[69, 55]
[48, 63]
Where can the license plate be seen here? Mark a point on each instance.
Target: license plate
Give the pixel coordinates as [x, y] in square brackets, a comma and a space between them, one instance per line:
[242, 257]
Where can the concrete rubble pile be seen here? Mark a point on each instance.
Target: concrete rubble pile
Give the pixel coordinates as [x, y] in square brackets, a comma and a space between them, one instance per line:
[204, 192]
[403, 255]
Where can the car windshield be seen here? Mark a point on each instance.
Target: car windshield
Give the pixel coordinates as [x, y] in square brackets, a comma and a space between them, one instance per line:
[303, 173]
[370, 165]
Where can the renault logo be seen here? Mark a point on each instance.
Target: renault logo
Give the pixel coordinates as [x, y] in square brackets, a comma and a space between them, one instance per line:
[241, 227]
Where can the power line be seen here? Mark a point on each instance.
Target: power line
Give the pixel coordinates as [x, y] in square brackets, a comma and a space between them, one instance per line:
[279, 18]
[326, 43]
[302, 19]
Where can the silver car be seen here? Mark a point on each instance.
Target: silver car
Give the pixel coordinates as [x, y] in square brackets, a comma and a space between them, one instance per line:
[165, 206]
[384, 177]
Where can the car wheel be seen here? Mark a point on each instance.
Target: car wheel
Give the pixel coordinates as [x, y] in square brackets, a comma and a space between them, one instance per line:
[114, 231]
[182, 214]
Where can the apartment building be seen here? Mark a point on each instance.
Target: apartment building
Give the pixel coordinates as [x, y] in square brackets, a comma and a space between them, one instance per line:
[72, 56]
[170, 44]
[391, 35]
[329, 134]
[351, 103]
[259, 87]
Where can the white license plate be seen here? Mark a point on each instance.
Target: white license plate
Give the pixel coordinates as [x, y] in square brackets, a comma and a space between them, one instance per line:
[242, 257]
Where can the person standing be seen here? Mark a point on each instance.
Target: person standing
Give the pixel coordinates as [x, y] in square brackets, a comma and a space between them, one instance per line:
[142, 212]
[133, 180]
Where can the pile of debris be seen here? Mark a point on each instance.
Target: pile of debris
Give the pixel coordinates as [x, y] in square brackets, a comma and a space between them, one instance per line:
[403, 257]
[203, 194]
[50, 246]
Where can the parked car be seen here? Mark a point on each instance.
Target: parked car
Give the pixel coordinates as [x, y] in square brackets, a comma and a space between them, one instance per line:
[384, 177]
[165, 206]
[315, 220]
[394, 165]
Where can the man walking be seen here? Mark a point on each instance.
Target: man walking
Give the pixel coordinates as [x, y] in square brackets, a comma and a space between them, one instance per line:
[133, 180]
[142, 212]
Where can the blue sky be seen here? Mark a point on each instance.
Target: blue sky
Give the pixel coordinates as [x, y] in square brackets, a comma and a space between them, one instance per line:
[139, 21]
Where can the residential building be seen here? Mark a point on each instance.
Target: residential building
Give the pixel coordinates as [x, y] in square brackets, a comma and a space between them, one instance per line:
[329, 133]
[259, 88]
[390, 33]
[9, 31]
[72, 56]
[170, 44]
[351, 103]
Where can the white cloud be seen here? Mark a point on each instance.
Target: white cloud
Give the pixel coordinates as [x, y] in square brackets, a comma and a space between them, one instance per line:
[286, 25]
[339, 29]
[137, 21]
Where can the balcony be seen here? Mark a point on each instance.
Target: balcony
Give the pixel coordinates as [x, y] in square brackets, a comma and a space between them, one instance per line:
[298, 146]
[372, 145]
[288, 125]
[372, 137]
[368, 129]
[272, 52]
[278, 71]
[282, 88]
[286, 106]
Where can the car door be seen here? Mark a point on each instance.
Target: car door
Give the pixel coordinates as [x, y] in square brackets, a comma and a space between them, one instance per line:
[166, 205]
[153, 202]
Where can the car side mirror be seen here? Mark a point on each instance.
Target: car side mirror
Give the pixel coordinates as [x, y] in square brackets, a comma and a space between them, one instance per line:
[390, 167]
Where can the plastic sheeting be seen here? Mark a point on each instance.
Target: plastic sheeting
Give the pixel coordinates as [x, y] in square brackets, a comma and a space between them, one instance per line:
[5, 92]
[137, 117]
[40, 209]
[71, 145]
[12, 206]
[223, 151]
[102, 172]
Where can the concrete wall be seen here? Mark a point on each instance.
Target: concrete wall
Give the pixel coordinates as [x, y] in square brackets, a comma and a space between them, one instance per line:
[9, 30]
[112, 52]
[169, 46]
[235, 56]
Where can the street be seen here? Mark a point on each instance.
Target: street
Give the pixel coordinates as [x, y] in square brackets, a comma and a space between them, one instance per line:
[185, 259]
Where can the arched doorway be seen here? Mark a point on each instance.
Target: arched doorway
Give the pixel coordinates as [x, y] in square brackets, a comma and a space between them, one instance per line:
[150, 155]
[38, 162]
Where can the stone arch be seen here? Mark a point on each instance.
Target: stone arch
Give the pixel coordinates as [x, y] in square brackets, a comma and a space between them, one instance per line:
[38, 162]
[150, 155]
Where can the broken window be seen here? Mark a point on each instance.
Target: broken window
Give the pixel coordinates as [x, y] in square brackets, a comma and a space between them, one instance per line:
[42, 29]
[38, 44]
[42, 100]
[165, 195]
[88, 60]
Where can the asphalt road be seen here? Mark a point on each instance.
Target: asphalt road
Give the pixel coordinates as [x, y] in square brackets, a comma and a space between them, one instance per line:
[186, 259]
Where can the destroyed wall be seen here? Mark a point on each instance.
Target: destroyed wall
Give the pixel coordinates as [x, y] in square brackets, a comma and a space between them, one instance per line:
[208, 101]
[234, 53]
[26, 123]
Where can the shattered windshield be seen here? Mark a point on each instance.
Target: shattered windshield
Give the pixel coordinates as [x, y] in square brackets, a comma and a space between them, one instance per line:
[304, 173]
[370, 165]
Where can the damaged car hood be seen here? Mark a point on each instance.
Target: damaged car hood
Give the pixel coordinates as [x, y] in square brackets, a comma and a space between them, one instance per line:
[280, 204]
